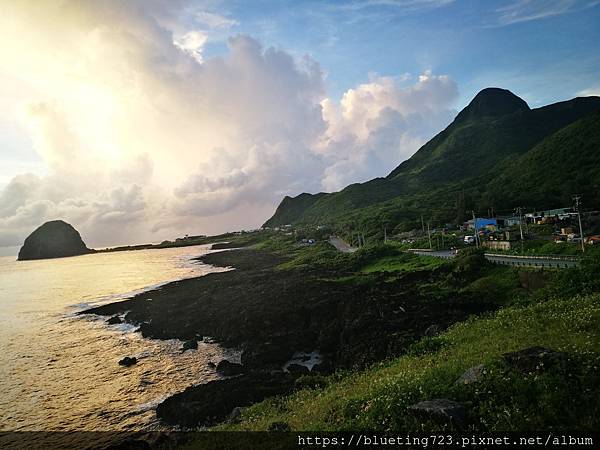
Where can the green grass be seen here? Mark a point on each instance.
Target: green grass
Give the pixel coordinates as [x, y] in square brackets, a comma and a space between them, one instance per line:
[565, 398]
[404, 263]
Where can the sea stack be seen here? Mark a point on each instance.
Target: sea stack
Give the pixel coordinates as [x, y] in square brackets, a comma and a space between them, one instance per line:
[54, 239]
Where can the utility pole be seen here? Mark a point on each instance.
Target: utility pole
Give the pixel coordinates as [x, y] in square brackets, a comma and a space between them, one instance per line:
[385, 234]
[519, 212]
[429, 237]
[422, 224]
[577, 199]
[475, 228]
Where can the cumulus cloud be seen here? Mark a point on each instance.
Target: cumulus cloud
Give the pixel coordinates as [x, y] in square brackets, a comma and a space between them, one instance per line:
[380, 124]
[146, 138]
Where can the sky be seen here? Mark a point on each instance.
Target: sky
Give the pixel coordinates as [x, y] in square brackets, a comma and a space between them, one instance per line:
[143, 120]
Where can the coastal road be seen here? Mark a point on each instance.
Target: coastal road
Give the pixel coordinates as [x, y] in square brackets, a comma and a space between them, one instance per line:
[551, 262]
[341, 245]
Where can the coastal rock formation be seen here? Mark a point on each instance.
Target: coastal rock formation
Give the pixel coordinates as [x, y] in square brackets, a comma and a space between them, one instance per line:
[191, 344]
[128, 361]
[55, 239]
[229, 369]
[214, 401]
[114, 320]
[272, 316]
[298, 369]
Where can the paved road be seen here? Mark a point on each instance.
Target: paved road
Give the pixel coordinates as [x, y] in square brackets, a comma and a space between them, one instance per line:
[341, 245]
[554, 262]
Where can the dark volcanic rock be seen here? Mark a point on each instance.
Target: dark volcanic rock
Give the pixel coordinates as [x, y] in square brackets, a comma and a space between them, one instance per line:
[274, 314]
[128, 361]
[440, 409]
[54, 239]
[114, 320]
[534, 359]
[272, 354]
[213, 402]
[192, 344]
[229, 369]
[471, 375]
[297, 369]
[432, 330]
[236, 415]
[279, 426]
[151, 331]
[323, 367]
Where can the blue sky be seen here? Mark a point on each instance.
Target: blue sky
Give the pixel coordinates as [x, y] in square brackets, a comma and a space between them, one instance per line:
[543, 50]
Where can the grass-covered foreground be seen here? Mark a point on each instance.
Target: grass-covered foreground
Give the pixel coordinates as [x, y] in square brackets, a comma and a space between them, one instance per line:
[565, 397]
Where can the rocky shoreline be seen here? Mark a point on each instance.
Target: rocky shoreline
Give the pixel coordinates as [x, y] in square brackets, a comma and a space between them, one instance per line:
[271, 314]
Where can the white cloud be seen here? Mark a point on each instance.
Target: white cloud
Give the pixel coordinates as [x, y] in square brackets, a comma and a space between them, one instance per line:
[192, 42]
[403, 5]
[213, 20]
[592, 91]
[380, 124]
[528, 10]
[142, 143]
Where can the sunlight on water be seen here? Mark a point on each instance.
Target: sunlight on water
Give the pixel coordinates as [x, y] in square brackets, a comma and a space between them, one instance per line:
[59, 371]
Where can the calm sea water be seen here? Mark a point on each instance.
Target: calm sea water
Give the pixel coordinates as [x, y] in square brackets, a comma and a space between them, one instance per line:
[59, 370]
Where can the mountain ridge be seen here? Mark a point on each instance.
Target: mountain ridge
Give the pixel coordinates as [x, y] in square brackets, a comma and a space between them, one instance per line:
[476, 144]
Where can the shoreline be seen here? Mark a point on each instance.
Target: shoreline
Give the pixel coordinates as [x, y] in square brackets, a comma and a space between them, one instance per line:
[270, 314]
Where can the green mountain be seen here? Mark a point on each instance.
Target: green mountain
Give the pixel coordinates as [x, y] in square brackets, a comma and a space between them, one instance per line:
[497, 147]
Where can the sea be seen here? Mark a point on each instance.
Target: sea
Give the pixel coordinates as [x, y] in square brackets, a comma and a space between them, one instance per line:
[59, 370]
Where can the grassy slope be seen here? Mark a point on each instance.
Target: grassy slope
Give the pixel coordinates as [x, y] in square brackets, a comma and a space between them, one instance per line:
[377, 399]
[566, 162]
[403, 263]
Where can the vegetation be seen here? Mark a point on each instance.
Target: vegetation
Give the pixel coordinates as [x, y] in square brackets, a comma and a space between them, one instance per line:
[563, 315]
[515, 156]
[561, 398]
[559, 310]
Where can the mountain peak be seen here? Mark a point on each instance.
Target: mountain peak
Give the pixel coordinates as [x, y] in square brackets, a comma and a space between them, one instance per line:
[492, 102]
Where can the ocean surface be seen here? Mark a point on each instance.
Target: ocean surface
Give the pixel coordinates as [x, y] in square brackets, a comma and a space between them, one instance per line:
[59, 370]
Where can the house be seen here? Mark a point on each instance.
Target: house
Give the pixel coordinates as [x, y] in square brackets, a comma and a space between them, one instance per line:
[483, 224]
[550, 215]
[509, 221]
